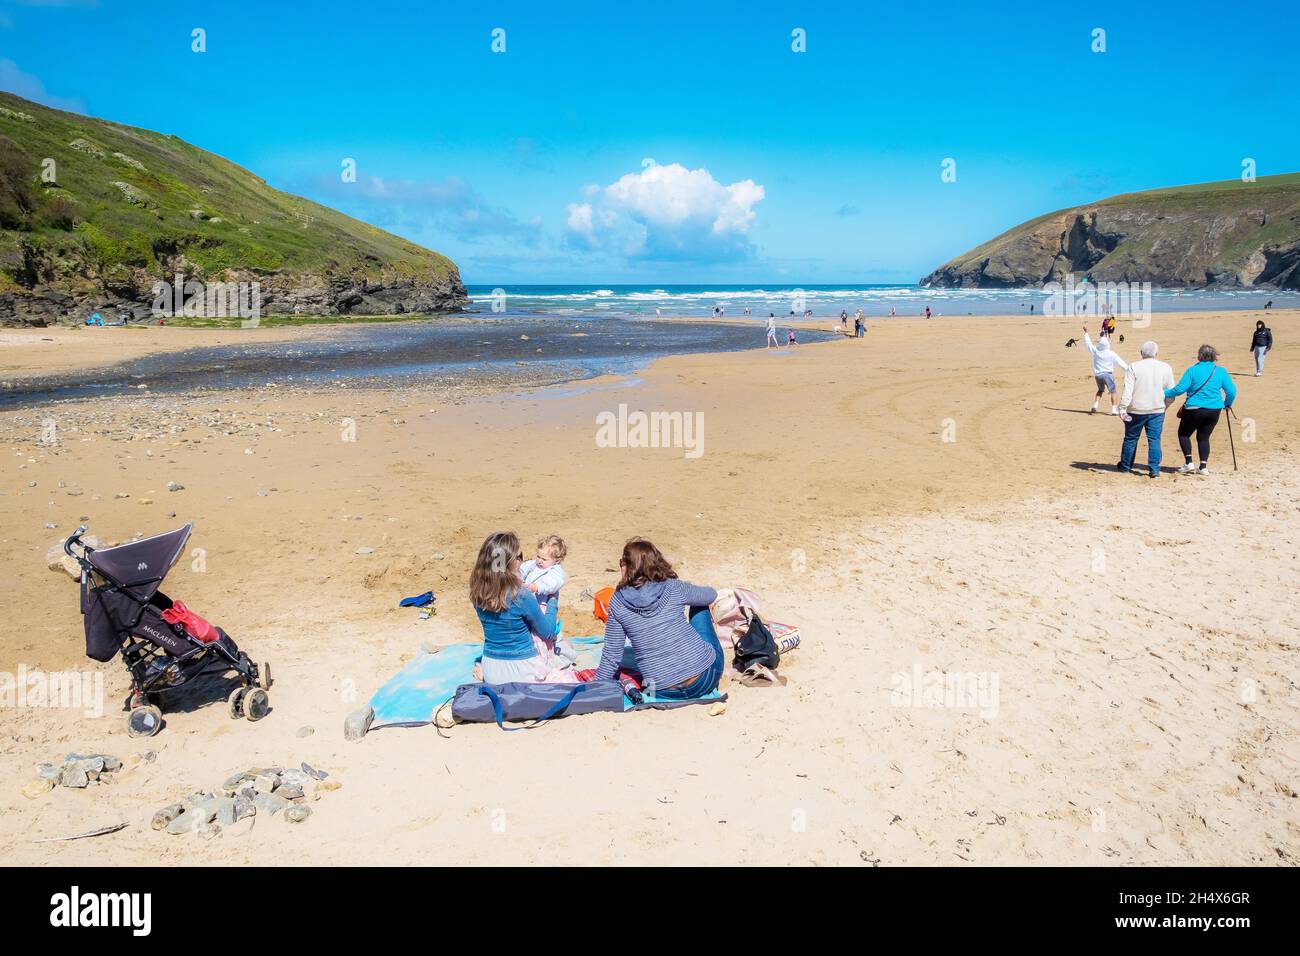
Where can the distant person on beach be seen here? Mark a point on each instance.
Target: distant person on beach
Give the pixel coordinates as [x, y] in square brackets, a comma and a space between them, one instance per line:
[771, 330]
[1108, 326]
[844, 320]
[509, 613]
[791, 341]
[1104, 361]
[1210, 390]
[893, 310]
[678, 659]
[1142, 407]
[1260, 343]
[927, 311]
[1268, 304]
[747, 310]
[1031, 308]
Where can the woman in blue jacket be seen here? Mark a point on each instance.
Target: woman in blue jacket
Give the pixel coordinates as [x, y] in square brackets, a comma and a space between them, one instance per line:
[508, 612]
[1209, 390]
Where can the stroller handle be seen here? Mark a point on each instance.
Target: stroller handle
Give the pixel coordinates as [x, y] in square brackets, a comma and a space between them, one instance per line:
[75, 539]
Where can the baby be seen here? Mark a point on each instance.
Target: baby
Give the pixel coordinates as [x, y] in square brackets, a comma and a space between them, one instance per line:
[544, 575]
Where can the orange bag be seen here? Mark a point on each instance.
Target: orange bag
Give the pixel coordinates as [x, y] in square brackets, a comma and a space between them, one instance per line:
[601, 610]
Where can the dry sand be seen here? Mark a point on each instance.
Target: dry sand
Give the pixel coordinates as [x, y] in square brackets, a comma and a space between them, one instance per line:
[1142, 634]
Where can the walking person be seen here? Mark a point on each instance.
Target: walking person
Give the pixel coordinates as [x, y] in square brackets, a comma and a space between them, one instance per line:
[771, 331]
[1210, 390]
[1104, 360]
[844, 321]
[1142, 407]
[1260, 343]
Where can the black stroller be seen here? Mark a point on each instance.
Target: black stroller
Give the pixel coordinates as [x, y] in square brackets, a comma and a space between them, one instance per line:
[163, 645]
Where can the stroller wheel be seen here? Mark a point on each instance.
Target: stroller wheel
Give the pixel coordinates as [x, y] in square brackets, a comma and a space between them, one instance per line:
[144, 721]
[264, 676]
[256, 704]
[235, 702]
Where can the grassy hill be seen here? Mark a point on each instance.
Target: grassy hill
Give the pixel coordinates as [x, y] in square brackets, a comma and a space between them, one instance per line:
[1223, 235]
[128, 207]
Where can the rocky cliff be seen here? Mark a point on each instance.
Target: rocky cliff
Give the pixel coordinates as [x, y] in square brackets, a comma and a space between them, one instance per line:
[1215, 235]
[93, 214]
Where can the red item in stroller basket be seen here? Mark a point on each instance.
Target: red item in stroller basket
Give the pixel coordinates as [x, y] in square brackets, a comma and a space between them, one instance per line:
[198, 628]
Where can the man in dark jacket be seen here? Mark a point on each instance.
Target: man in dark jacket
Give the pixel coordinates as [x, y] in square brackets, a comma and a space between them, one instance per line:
[1260, 343]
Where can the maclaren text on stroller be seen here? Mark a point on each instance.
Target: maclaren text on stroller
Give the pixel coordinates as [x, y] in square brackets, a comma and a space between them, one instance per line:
[163, 644]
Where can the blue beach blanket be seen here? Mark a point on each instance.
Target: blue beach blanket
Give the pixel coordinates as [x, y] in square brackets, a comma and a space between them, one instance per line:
[430, 680]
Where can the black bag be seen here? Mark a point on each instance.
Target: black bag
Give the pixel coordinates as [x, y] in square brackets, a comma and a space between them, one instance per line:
[757, 646]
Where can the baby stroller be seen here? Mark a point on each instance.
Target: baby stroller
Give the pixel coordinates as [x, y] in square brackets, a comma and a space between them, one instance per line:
[163, 644]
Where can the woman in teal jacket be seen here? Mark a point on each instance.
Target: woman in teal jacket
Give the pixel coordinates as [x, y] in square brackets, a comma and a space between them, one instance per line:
[1209, 390]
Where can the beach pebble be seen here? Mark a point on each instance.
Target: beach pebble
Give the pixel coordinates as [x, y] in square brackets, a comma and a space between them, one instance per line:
[248, 451]
[312, 772]
[37, 788]
[269, 803]
[357, 723]
[226, 811]
[293, 778]
[305, 731]
[188, 821]
[233, 782]
[244, 808]
[718, 709]
[437, 556]
[324, 786]
[289, 791]
[266, 783]
[49, 772]
[122, 494]
[74, 776]
[175, 486]
[209, 831]
[365, 551]
[297, 814]
[166, 815]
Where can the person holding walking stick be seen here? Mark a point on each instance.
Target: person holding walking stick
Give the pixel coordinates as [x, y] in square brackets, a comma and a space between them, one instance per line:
[1209, 389]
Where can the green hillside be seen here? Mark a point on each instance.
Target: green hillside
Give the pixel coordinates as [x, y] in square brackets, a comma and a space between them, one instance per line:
[128, 207]
[1229, 234]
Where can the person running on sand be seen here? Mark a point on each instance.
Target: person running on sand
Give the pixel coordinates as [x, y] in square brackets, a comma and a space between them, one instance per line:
[1104, 361]
[509, 613]
[771, 331]
[1210, 390]
[677, 659]
[1260, 343]
[1142, 407]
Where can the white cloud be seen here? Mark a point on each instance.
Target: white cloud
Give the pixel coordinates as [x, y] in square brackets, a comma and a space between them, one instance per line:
[668, 212]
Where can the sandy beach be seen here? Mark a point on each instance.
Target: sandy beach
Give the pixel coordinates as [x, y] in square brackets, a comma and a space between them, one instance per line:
[930, 498]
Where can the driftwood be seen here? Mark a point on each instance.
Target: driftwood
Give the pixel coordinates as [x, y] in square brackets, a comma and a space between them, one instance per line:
[111, 828]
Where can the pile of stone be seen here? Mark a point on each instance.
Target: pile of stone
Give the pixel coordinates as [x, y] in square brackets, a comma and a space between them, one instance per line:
[77, 772]
[267, 791]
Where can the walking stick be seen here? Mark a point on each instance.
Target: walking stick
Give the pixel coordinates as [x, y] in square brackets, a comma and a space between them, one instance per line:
[1231, 443]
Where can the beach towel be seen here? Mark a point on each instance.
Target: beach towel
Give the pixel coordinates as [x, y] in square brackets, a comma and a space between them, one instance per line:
[429, 681]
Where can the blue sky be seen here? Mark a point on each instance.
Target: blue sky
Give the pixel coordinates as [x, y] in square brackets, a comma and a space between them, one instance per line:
[768, 165]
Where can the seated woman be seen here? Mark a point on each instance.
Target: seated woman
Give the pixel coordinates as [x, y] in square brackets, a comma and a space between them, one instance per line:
[509, 613]
[679, 660]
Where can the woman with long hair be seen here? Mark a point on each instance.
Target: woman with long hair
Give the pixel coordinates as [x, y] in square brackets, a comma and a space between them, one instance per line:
[509, 613]
[678, 658]
[1210, 390]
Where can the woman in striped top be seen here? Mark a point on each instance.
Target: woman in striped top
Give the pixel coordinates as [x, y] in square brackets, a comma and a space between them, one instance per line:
[679, 659]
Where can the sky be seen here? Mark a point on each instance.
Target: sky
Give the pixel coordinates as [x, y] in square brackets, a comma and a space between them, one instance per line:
[674, 143]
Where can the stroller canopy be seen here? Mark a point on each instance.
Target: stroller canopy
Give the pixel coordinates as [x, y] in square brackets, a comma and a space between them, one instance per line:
[141, 565]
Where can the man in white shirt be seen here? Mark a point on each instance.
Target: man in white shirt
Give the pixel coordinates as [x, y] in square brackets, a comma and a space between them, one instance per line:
[1104, 361]
[1142, 406]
